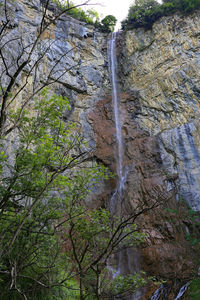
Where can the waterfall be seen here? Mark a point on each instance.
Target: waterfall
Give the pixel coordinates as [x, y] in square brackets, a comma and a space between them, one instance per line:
[162, 291]
[182, 291]
[113, 66]
[122, 172]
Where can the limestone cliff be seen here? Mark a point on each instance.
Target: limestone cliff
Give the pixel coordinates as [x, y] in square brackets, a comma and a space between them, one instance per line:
[159, 74]
[72, 57]
[164, 66]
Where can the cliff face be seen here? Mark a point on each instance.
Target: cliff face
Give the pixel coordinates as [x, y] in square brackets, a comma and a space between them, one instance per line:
[71, 58]
[159, 74]
[163, 65]
[159, 103]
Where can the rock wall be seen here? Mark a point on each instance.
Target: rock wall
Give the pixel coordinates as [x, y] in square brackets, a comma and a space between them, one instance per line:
[163, 65]
[159, 74]
[72, 57]
[166, 254]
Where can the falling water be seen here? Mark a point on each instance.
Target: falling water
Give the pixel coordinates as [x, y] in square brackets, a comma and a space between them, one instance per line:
[157, 293]
[182, 291]
[121, 172]
[162, 291]
[113, 66]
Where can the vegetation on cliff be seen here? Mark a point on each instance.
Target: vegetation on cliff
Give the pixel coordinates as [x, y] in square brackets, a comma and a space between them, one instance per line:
[89, 16]
[143, 13]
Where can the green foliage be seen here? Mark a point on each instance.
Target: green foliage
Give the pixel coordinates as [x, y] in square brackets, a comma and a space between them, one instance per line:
[92, 236]
[130, 283]
[48, 237]
[145, 12]
[89, 16]
[47, 162]
[185, 213]
[109, 23]
[194, 289]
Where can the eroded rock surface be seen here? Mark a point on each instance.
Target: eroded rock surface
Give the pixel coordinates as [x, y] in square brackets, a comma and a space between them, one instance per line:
[159, 72]
[163, 65]
[166, 253]
[72, 57]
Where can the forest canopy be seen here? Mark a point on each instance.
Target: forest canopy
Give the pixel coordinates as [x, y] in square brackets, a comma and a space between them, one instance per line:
[143, 13]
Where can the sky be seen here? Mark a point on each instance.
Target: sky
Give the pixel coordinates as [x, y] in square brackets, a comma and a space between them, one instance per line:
[117, 8]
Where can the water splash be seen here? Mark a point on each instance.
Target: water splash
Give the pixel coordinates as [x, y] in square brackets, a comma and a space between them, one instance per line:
[158, 293]
[182, 291]
[114, 272]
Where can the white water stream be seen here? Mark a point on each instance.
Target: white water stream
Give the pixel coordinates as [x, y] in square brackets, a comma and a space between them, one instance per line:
[117, 117]
[122, 172]
[182, 291]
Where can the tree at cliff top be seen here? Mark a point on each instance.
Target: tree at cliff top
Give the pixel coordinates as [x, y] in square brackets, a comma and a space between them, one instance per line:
[89, 16]
[145, 12]
[109, 23]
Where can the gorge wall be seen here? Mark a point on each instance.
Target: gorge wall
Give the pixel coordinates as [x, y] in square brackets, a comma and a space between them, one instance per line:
[159, 72]
[164, 66]
[72, 58]
[159, 103]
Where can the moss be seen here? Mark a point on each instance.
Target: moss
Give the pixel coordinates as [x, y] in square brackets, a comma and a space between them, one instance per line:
[194, 289]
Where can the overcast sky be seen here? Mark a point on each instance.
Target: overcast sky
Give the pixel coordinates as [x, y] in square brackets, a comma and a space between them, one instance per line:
[117, 8]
